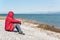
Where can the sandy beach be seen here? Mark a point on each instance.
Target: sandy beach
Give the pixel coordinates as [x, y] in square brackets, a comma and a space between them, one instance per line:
[31, 32]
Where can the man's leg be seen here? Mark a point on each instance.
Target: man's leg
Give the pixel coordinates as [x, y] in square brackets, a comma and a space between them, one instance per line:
[17, 26]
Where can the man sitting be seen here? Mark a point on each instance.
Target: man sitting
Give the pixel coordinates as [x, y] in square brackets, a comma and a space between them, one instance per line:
[11, 23]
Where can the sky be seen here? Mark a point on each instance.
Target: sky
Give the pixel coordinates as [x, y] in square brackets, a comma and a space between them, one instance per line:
[29, 6]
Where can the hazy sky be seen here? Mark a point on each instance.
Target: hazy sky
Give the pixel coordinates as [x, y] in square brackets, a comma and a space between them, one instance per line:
[27, 6]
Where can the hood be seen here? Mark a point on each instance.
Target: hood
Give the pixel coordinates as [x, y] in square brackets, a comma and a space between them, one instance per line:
[10, 14]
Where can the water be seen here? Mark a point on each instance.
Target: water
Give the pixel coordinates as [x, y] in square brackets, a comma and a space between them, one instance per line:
[50, 19]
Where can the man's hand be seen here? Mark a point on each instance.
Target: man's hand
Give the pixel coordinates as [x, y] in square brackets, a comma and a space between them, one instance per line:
[20, 23]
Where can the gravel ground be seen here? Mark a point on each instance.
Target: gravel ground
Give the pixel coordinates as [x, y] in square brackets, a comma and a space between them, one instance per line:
[31, 33]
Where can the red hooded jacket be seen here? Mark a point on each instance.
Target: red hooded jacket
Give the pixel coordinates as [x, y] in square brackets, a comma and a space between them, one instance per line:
[9, 22]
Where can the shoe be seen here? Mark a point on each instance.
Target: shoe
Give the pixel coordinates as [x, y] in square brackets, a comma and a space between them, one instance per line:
[22, 33]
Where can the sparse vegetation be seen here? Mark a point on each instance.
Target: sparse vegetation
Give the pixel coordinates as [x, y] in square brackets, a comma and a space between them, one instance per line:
[47, 27]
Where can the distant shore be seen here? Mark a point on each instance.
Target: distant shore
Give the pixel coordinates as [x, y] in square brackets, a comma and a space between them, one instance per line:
[40, 25]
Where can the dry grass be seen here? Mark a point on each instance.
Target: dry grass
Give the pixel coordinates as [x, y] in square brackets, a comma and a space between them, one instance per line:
[2, 18]
[47, 27]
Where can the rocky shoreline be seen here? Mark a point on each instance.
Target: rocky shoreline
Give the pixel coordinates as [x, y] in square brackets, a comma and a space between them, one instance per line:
[38, 25]
[33, 31]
